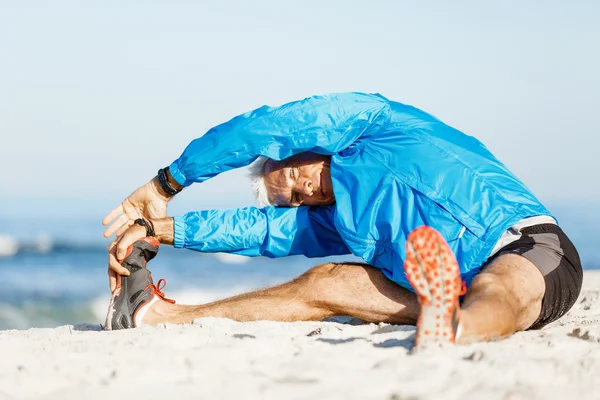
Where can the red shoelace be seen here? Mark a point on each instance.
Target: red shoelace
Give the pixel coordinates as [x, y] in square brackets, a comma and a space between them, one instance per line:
[157, 290]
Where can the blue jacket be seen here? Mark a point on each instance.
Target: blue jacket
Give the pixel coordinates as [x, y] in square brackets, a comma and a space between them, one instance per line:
[393, 169]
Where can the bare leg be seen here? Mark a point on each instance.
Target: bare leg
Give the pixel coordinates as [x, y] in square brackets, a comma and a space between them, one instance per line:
[504, 298]
[326, 290]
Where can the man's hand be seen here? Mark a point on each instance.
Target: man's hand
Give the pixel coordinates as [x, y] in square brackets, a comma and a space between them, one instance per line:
[148, 201]
[117, 251]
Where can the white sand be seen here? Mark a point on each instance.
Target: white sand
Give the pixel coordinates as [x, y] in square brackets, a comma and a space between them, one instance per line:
[222, 359]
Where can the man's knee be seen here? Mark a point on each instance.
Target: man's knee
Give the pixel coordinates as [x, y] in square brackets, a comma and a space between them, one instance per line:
[518, 276]
[514, 282]
[338, 271]
[319, 273]
[314, 286]
[490, 284]
[317, 282]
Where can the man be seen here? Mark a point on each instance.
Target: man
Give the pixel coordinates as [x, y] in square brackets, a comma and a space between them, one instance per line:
[423, 204]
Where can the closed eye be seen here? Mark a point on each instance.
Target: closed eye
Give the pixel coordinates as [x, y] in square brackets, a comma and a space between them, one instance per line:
[297, 198]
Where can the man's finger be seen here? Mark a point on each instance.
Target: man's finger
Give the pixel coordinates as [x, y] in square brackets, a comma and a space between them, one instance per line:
[116, 266]
[122, 247]
[116, 225]
[112, 280]
[124, 228]
[113, 214]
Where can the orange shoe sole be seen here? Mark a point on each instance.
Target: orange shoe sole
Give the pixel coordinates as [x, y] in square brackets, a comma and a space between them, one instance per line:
[434, 274]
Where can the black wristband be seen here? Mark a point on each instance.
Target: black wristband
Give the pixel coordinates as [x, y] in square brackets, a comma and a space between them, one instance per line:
[165, 184]
[146, 224]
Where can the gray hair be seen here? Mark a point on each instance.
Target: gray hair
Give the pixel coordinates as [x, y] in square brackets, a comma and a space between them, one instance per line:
[257, 177]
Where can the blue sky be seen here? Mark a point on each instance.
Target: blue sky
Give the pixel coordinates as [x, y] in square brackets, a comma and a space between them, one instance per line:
[96, 96]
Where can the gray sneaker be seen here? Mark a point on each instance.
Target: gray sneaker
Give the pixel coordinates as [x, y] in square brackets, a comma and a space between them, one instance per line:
[137, 292]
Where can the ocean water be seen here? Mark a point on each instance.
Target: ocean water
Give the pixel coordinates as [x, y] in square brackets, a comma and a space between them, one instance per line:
[53, 272]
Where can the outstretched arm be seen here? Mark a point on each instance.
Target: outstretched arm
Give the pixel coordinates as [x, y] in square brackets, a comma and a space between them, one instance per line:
[270, 231]
[320, 124]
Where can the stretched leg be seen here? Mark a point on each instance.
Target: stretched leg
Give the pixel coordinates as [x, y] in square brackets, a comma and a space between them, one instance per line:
[326, 290]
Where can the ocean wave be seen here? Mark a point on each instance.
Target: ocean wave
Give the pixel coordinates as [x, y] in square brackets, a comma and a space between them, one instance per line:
[44, 314]
[8, 246]
[13, 318]
[45, 245]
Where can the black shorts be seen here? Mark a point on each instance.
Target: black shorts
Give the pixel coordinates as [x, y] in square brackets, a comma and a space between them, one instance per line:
[551, 251]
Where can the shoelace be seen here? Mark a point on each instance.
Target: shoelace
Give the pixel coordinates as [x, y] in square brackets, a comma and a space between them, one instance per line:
[157, 290]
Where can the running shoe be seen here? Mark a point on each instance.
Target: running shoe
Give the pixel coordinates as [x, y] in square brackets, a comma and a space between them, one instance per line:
[434, 274]
[135, 293]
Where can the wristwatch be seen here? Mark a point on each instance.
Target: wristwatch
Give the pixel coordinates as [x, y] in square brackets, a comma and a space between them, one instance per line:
[163, 180]
[147, 224]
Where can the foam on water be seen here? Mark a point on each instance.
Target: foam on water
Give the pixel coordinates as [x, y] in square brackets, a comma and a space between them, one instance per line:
[8, 246]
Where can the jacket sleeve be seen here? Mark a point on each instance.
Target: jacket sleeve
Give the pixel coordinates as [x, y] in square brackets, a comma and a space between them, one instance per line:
[269, 231]
[320, 124]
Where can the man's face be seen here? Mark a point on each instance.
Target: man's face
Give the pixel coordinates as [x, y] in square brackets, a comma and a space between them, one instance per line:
[304, 179]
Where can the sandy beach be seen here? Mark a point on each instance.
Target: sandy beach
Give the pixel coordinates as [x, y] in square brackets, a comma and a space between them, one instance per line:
[222, 359]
